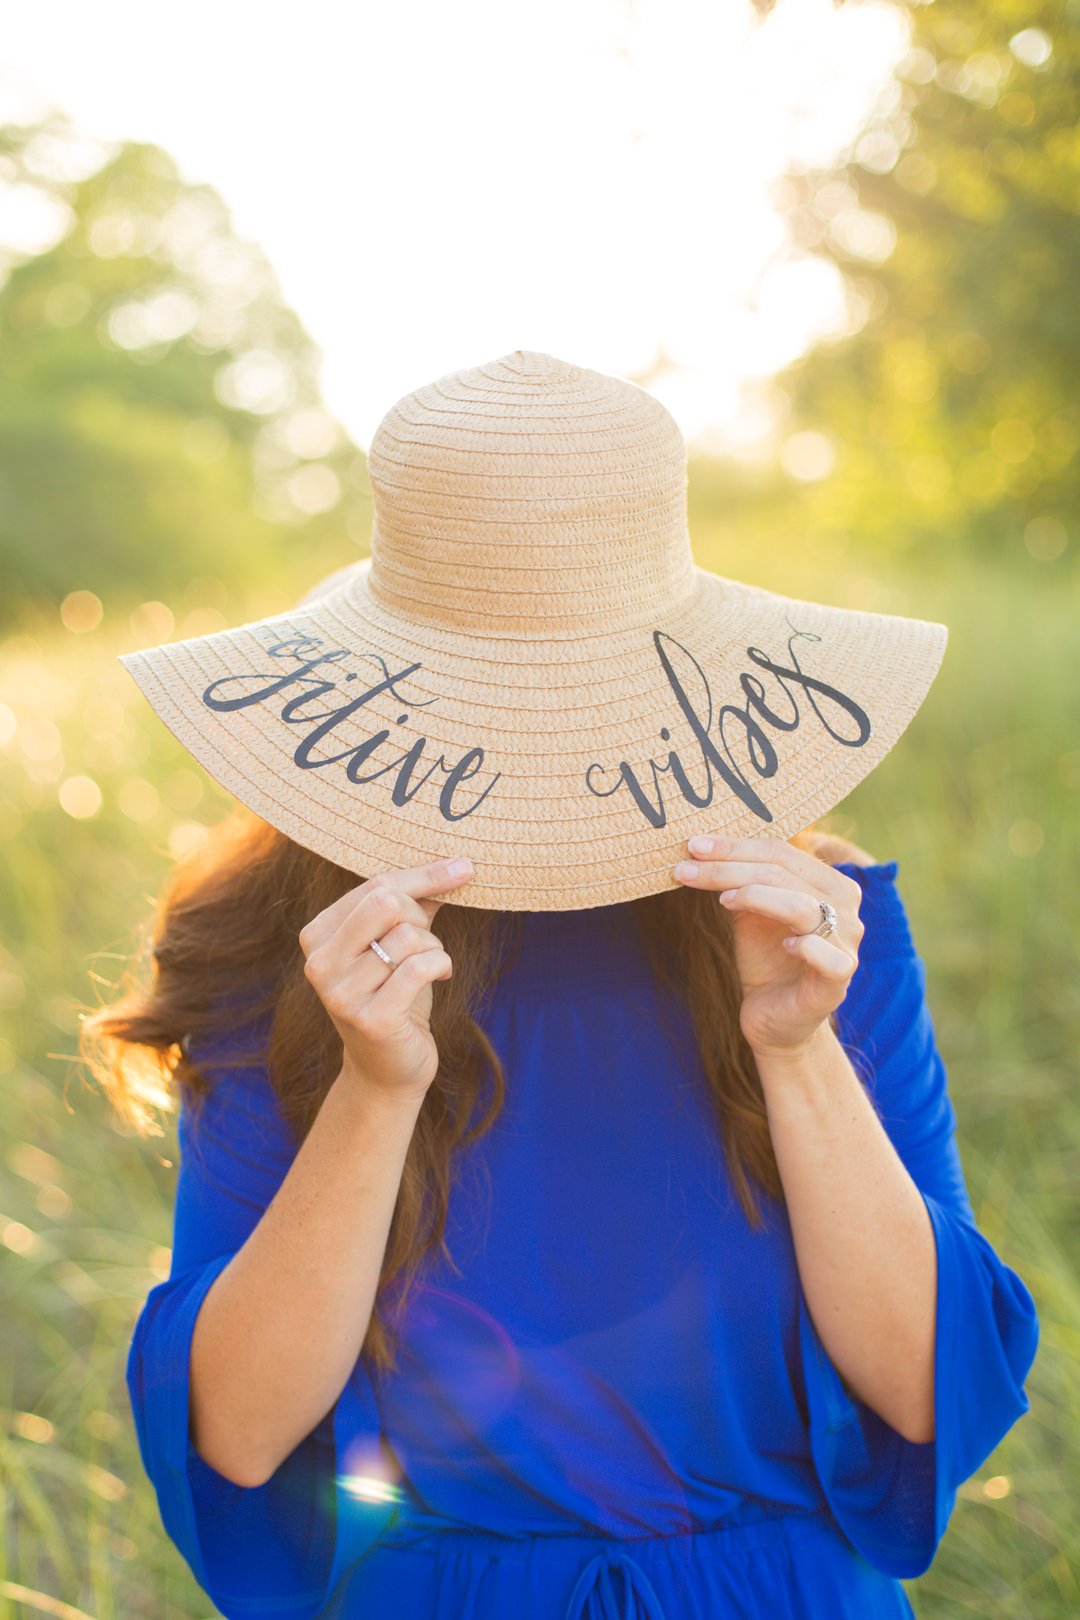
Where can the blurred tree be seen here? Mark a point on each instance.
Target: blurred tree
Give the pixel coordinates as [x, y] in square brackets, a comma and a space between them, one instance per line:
[951, 401]
[160, 415]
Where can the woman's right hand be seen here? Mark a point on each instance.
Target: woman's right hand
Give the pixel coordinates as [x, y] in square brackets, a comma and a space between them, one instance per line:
[381, 1013]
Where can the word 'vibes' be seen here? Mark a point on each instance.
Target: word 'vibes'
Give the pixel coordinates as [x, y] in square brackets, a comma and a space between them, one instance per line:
[304, 681]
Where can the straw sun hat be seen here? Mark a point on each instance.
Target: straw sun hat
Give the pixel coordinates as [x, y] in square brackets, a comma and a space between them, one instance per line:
[530, 669]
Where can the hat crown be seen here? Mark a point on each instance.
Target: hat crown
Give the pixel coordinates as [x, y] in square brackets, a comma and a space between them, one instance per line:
[528, 495]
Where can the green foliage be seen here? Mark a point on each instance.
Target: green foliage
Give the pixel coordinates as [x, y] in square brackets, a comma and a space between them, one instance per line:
[160, 416]
[953, 407]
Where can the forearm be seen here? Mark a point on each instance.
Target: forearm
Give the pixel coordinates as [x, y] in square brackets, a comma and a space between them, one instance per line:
[863, 1238]
[282, 1325]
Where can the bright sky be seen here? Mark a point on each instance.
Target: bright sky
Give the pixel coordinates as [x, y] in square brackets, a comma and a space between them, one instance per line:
[436, 185]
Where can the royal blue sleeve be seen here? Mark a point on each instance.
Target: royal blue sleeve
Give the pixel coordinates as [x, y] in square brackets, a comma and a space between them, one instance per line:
[278, 1548]
[893, 1497]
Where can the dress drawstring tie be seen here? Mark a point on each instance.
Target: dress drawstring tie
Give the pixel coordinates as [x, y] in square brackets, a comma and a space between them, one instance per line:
[595, 1582]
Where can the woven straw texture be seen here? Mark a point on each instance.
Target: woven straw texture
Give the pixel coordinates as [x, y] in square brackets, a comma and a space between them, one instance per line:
[530, 669]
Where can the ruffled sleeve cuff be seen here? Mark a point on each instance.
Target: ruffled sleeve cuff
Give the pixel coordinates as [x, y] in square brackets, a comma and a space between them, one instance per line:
[893, 1497]
[881, 910]
[273, 1549]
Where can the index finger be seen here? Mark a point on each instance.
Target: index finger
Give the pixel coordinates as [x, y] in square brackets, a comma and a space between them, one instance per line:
[422, 883]
[799, 862]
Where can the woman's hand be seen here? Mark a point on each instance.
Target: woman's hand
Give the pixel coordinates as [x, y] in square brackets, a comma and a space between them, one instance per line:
[383, 1013]
[772, 890]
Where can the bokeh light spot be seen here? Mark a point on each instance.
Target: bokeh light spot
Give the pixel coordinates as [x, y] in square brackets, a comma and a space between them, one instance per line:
[138, 799]
[1032, 47]
[104, 1484]
[81, 611]
[35, 218]
[105, 719]
[998, 1486]
[33, 1163]
[877, 151]
[314, 489]
[311, 433]
[1013, 439]
[256, 382]
[54, 1203]
[917, 65]
[915, 377]
[32, 1426]
[152, 622]
[19, 1238]
[203, 622]
[982, 477]
[1045, 537]
[111, 233]
[67, 304]
[39, 738]
[969, 352]
[917, 173]
[80, 796]
[864, 234]
[102, 1425]
[808, 455]
[1005, 155]
[186, 837]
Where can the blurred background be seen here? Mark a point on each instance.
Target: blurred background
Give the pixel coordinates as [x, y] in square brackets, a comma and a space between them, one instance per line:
[840, 241]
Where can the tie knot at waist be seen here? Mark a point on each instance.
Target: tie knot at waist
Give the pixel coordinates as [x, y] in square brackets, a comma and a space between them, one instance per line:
[594, 1596]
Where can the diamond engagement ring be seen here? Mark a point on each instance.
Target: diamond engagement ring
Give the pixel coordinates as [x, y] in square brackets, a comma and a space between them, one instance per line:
[379, 952]
[827, 925]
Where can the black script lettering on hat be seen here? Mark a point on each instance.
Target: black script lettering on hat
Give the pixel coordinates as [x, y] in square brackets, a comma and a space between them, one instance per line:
[762, 754]
[282, 649]
[327, 719]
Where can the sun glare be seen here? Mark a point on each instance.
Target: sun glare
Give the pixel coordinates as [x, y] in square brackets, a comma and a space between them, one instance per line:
[591, 177]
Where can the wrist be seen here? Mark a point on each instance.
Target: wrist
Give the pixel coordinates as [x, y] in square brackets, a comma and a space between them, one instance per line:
[813, 1079]
[807, 1053]
[390, 1100]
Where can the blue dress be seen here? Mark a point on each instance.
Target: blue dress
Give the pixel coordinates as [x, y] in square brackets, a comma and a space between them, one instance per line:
[620, 1409]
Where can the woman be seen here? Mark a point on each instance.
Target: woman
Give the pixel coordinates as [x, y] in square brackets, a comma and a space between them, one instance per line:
[539, 1248]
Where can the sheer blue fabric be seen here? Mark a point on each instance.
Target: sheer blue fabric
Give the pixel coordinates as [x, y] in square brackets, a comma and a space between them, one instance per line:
[614, 1405]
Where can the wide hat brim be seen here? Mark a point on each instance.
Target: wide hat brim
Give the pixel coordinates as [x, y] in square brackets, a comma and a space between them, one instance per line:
[571, 769]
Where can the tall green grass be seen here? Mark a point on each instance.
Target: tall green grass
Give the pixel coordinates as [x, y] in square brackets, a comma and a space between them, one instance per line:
[978, 801]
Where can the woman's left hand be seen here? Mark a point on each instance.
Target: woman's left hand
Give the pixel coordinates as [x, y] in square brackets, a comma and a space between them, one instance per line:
[788, 991]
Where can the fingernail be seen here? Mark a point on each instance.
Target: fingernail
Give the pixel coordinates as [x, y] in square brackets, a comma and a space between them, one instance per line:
[686, 869]
[456, 867]
[699, 845]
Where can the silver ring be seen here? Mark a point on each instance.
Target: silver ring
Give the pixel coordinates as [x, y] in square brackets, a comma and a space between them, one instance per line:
[379, 952]
[827, 925]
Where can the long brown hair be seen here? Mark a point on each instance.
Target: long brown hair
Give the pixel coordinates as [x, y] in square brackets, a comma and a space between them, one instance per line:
[228, 919]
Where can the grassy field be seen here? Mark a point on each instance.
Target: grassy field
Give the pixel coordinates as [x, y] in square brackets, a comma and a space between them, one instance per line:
[978, 802]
